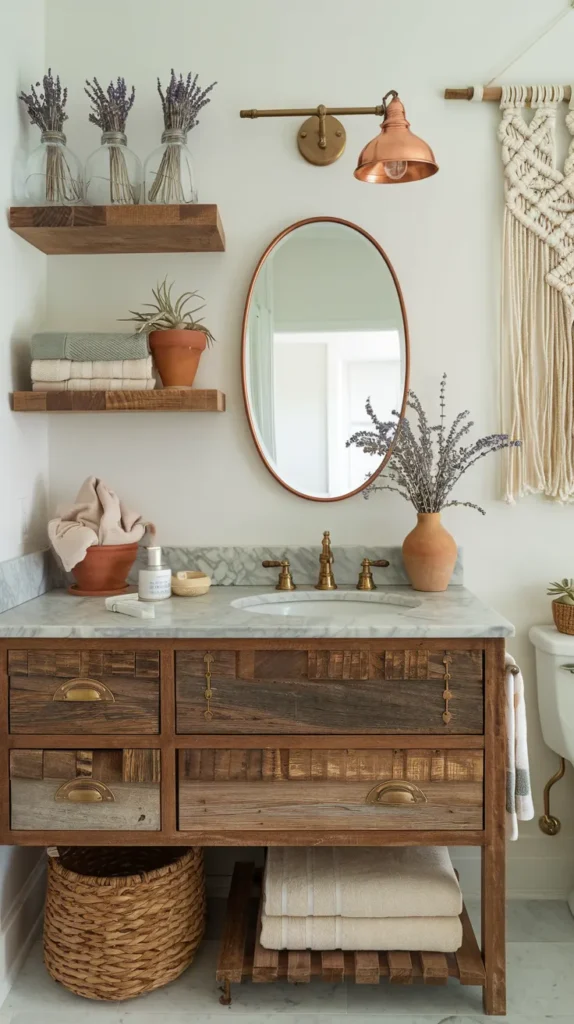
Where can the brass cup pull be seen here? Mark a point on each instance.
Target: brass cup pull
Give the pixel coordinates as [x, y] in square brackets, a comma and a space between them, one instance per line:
[84, 690]
[395, 793]
[84, 791]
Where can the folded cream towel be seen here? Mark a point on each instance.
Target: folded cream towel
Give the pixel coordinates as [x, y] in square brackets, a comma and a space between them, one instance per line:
[67, 369]
[519, 805]
[96, 384]
[97, 517]
[407, 881]
[432, 934]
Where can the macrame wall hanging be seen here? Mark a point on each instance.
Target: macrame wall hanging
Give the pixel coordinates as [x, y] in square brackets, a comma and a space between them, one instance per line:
[537, 302]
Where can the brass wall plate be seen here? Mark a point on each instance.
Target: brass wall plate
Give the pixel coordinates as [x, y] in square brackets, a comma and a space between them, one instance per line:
[308, 140]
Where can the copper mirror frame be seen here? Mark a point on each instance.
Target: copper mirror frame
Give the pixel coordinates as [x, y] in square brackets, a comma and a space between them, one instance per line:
[279, 238]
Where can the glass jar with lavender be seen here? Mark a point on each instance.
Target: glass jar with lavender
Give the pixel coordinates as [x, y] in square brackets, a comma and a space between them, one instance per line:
[168, 174]
[53, 173]
[113, 171]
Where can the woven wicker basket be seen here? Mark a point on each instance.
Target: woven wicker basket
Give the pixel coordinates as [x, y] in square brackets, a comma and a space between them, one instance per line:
[120, 922]
[563, 615]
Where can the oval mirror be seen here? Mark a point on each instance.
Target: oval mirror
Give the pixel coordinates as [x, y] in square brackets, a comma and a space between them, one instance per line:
[324, 329]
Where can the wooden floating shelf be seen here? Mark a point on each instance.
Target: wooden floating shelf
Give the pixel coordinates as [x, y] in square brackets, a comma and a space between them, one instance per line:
[241, 955]
[162, 400]
[77, 230]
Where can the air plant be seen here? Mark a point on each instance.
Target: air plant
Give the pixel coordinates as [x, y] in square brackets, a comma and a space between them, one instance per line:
[109, 112]
[47, 110]
[181, 103]
[165, 315]
[424, 467]
[562, 591]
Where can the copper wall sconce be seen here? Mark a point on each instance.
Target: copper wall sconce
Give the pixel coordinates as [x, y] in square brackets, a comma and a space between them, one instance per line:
[395, 155]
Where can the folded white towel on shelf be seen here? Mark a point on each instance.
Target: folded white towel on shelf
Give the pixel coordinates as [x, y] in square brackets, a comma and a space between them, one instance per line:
[67, 369]
[519, 805]
[369, 882]
[96, 384]
[432, 934]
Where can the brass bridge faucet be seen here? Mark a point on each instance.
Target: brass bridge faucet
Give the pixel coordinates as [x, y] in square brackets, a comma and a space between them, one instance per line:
[326, 559]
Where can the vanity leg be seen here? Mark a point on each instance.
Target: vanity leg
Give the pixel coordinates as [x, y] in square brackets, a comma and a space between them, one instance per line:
[493, 854]
[225, 998]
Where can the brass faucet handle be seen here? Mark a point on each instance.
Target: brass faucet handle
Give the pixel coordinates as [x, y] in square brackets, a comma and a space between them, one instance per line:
[366, 581]
[285, 581]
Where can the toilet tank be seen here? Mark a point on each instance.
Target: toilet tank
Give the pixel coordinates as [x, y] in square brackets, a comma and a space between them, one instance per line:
[555, 685]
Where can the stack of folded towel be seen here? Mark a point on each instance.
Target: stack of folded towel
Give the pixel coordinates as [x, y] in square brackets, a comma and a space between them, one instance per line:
[91, 362]
[324, 898]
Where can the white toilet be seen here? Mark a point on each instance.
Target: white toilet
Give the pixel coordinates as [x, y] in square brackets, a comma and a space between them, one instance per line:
[555, 684]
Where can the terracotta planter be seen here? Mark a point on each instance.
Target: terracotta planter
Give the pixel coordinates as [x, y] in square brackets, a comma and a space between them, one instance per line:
[104, 570]
[176, 355]
[429, 553]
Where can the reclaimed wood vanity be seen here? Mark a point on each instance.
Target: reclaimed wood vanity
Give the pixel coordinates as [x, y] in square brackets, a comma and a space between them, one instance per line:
[254, 742]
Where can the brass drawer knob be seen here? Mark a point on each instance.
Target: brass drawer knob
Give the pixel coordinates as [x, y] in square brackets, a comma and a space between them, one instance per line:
[395, 793]
[84, 690]
[84, 791]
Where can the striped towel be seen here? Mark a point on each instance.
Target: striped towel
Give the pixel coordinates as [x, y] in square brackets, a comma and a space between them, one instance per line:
[67, 369]
[519, 806]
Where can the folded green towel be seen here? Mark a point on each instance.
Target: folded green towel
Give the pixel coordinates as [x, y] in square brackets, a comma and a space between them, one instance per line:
[84, 346]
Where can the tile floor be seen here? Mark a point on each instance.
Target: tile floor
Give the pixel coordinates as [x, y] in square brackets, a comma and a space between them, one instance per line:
[541, 988]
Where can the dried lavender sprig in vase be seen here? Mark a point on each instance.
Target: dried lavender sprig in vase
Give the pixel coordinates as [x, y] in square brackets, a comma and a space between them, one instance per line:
[113, 173]
[53, 164]
[424, 469]
[169, 172]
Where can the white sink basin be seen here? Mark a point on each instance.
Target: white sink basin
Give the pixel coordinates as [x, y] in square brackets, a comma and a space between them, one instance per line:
[317, 604]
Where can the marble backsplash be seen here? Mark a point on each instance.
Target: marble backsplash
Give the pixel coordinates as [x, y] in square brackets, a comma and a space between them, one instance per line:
[241, 566]
[26, 577]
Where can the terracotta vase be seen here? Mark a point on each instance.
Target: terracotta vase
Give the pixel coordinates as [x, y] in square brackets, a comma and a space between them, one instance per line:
[176, 355]
[429, 553]
[104, 570]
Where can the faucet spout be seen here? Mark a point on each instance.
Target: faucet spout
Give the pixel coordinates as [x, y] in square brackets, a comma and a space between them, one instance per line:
[326, 558]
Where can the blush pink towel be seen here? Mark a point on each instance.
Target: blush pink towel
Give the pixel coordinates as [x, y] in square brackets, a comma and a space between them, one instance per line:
[96, 517]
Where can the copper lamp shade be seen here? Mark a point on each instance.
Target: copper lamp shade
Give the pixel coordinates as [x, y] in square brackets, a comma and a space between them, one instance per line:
[396, 155]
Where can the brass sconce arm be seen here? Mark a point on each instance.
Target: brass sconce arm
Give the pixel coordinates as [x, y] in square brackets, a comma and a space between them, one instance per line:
[395, 155]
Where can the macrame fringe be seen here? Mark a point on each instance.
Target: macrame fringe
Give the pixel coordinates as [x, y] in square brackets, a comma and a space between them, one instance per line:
[537, 298]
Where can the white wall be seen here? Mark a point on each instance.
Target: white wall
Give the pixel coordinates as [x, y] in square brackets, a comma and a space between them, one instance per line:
[23, 439]
[442, 235]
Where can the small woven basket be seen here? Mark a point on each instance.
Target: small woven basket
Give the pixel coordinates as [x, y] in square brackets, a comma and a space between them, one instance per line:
[563, 615]
[120, 922]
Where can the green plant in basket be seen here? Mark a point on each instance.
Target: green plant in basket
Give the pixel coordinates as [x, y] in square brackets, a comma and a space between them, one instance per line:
[562, 591]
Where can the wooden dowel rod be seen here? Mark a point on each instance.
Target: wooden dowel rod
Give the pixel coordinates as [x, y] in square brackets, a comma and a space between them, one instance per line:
[493, 94]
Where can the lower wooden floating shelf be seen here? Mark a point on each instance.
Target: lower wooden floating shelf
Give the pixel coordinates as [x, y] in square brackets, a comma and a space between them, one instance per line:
[242, 957]
[162, 400]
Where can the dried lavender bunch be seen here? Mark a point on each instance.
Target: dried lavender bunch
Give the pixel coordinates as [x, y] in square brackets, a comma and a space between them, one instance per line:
[109, 112]
[182, 101]
[47, 109]
[424, 469]
[110, 109]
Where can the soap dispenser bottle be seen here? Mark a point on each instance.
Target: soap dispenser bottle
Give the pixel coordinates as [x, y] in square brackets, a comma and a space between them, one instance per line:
[154, 582]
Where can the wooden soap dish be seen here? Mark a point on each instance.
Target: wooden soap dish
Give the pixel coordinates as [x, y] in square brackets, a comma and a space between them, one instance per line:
[190, 584]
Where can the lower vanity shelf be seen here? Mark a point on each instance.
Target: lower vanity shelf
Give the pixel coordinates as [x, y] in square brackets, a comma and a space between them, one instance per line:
[242, 957]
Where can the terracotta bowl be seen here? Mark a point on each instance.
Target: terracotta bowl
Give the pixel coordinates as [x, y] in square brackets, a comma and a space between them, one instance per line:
[104, 570]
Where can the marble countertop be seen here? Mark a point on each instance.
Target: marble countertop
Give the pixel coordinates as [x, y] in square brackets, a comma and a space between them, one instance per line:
[454, 613]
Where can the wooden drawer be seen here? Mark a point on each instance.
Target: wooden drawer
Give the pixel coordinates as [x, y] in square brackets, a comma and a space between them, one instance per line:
[82, 691]
[236, 790]
[85, 789]
[329, 691]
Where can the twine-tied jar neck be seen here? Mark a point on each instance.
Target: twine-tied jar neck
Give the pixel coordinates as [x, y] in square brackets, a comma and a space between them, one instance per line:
[51, 136]
[174, 135]
[116, 138]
